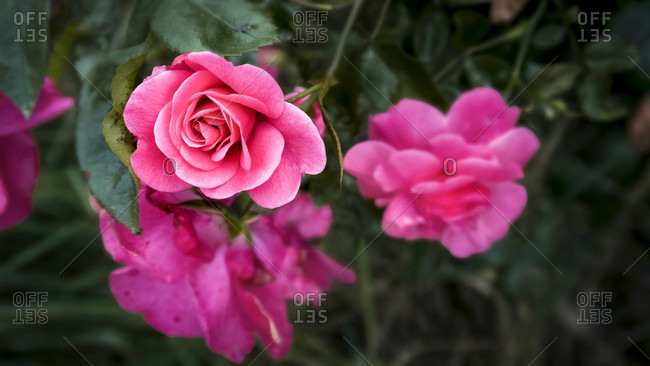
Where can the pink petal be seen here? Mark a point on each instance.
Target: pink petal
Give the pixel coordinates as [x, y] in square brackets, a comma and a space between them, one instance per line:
[361, 161]
[403, 168]
[18, 172]
[226, 328]
[281, 188]
[266, 145]
[322, 269]
[409, 124]
[488, 169]
[169, 308]
[481, 115]
[266, 309]
[50, 104]
[302, 140]
[154, 251]
[224, 171]
[155, 169]
[402, 220]
[515, 146]
[147, 100]
[477, 235]
[246, 79]
[310, 221]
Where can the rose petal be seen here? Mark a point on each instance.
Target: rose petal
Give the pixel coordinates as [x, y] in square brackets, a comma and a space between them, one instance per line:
[362, 160]
[515, 146]
[168, 308]
[147, 100]
[18, 173]
[265, 146]
[409, 124]
[50, 104]
[245, 79]
[480, 115]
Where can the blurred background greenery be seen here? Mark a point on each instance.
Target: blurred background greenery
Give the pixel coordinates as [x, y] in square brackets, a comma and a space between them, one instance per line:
[579, 71]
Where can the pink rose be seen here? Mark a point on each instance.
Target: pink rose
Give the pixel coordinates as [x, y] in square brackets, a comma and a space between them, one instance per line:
[467, 203]
[225, 129]
[188, 279]
[318, 116]
[19, 165]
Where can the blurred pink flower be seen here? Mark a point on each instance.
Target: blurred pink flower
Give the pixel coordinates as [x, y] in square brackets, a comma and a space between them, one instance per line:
[447, 177]
[318, 116]
[226, 128]
[19, 153]
[189, 279]
[266, 57]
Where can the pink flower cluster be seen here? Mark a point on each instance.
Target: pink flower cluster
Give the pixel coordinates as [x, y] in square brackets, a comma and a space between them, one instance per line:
[446, 177]
[19, 153]
[189, 279]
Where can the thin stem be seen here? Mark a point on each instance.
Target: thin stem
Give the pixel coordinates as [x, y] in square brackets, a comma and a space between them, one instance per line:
[380, 21]
[304, 93]
[344, 37]
[516, 71]
[514, 33]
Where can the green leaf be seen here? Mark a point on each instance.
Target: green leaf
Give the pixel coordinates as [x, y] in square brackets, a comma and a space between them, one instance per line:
[549, 36]
[116, 134]
[23, 46]
[555, 80]
[611, 57]
[226, 27]
[109, 179]
[596, 101]
[417, 82]
[487, 70]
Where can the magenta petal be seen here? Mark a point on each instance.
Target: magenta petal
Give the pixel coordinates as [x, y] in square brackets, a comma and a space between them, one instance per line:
[404, 168]
[245, 79]
[265, 146]
[266, 309]
[362, 160]
[489, 170]
[409, 124]
[169, 308]
[481, 115]
[515, 146]
[301, 214]
[226, 329]
[148, 99]
[402, 220]
[50, 104]
[18, 173]
[506, 201]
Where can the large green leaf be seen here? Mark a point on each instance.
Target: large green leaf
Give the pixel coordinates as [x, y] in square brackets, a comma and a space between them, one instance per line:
[23, 46]
[227, 27]
[117, 136]
[109, 179]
